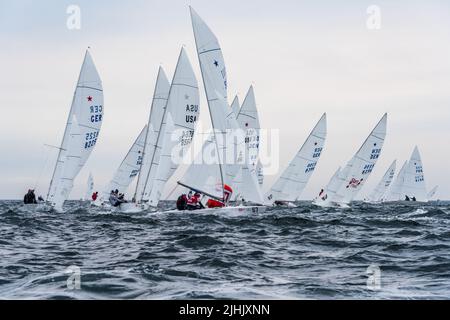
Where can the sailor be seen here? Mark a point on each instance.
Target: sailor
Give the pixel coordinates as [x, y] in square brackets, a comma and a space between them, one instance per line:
[407, 198]
[114, 200]
[194, 203]
[182, 202]
[95, 196]
[414, 198]
[30, 197]
[321, 192]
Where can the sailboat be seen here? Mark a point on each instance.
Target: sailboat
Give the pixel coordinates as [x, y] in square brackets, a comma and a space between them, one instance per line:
[174, 136]
[414, 186]
[248, 120]
[347, 183]
[80, 135]
[90, 188]
[235, 106]
[223, 154]
[395, 191]
[379, 193]
[127, 170]
[293, 180]
[155, 120]
[432, 193]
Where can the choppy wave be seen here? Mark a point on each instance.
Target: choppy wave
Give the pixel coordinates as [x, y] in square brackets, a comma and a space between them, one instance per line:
[284, 253]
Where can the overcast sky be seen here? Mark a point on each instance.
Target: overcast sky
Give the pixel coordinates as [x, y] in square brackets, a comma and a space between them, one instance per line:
[303, 58]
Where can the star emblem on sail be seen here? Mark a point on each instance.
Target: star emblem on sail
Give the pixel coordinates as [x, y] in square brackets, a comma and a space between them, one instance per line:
[206, 177]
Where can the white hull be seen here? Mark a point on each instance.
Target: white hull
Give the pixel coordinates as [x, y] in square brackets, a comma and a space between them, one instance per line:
[239, 210]
[331, 204]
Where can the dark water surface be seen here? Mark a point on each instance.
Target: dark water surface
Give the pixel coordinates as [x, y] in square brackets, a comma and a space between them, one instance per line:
[295, 253]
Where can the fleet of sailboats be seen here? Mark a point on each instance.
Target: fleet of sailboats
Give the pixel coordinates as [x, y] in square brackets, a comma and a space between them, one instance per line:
[228, 169]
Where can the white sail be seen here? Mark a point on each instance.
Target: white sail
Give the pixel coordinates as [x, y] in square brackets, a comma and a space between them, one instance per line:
[432, 193]
[72, 158]
[293, 180]
[260, 173]
[358, 169]
[178, 126]
[235, 106]
[395, 191]
[87, 108]
[158, 107]
[414, 184]
[90, 188]
[379, 193]
[228, 139]
[248, 121]
[330, 189]
[128, 168]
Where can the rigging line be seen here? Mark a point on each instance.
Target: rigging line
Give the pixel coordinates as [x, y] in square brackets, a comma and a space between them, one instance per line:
[42, 170]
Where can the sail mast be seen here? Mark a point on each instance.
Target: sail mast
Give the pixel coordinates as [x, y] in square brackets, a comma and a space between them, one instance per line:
[146, 136]
[209, 107]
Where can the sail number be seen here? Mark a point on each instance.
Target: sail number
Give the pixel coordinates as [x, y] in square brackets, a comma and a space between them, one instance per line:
[375, 154]
[310, 167]
[97, 113]
[186, 137]
[91, 139]
[192, 108]
[368, 168]
[317, 152]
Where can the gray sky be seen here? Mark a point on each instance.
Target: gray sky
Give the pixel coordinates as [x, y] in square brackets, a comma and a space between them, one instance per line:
[303, 58]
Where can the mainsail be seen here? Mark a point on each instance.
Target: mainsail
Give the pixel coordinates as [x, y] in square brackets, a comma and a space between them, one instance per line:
[295, 177]
[177, 131]
[227, 144]
[158, 107]
[432, 193]
[248, 121]
[395, 191]
[90, 188]
[129, 167]
[379, 193]
[414, 183]
[354, 175]
[87, 114]
[235, 106]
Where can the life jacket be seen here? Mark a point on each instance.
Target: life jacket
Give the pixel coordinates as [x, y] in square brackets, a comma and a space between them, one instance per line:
[193, 200]
[94, 196]
[182, 202]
